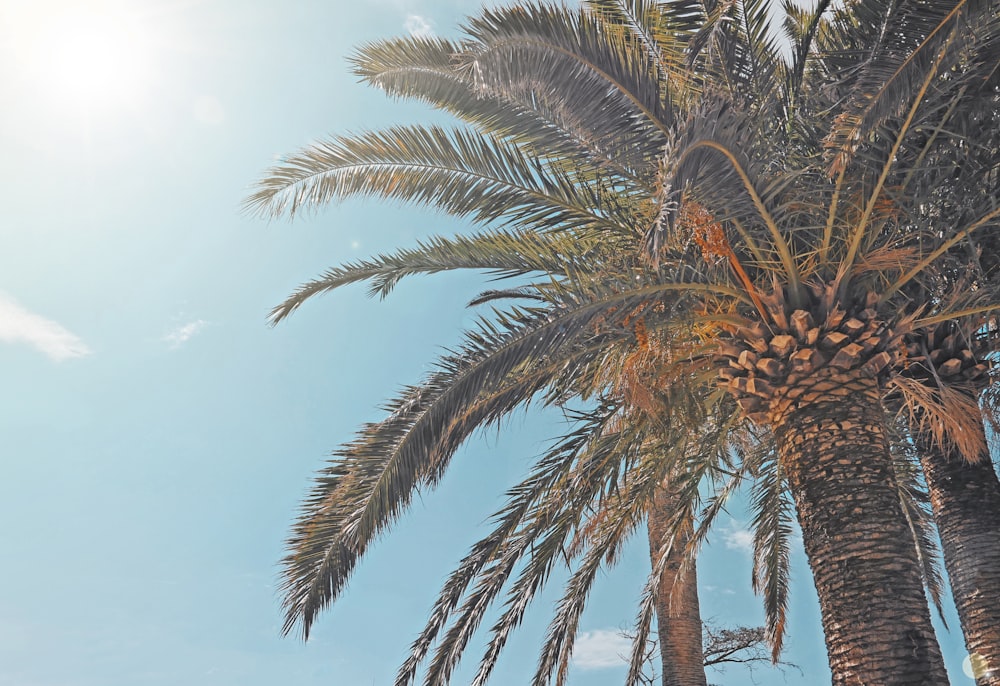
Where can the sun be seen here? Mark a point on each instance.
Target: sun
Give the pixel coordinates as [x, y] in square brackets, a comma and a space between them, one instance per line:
[92, 57]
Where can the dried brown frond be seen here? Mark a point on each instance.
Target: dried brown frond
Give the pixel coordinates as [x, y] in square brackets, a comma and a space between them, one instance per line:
[683, 533]
[885, 207]
[888, 259]
[949, 415]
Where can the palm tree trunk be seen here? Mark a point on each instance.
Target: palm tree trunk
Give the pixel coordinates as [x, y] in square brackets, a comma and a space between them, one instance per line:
[875, 615]
[965, 498]
[678, 622]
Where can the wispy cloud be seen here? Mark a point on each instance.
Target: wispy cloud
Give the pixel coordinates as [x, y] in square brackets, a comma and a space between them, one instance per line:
[600, 649]
[738, 537]
[18, 325]
[715, 589]
[183, 333]
[418, 26]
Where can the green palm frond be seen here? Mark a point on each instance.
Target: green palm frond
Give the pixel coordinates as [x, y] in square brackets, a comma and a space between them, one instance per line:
[527, 514]
[463, 174]
[541, 544]
[773, 514]
[941, 246]
[373, 479]
[915, 500]
[733, 52]
[427, 69]
[605, 544]
[675, 455]
[801, 26]
[517, 293]
[643, 625]
[501, 253]
[760, 63]
[662, 30]
[592, 473]
[720, 173]
[501, 365]
[916, 39]
[571, 53]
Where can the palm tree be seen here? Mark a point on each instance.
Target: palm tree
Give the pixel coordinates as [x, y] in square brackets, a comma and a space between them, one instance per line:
[746, 212]
[959, 52]
[432, 62]
[637, 384]
[966, 500]
[678, 613]
[961, 479]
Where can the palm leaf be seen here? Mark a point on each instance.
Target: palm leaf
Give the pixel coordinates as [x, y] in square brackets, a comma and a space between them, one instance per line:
[547, 526]
[662, 30]
[914, 38]
[427, 69]
[492, 560]
[915, 501]
[502, 253]
[500, 366]
[571, 51]
[461, 173]
[772, 524]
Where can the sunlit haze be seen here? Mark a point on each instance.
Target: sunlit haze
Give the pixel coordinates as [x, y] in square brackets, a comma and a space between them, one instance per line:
[98, 57]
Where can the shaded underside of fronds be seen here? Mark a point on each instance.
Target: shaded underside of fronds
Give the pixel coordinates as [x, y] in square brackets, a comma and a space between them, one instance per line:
[576, 59]
[428, 69]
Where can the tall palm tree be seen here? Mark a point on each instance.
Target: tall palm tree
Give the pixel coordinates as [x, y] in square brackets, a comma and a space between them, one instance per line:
[678, 613]
[963, 484]
[639, 387]
[433, 63]
[964, 50]
[966, 500]
[746, 211]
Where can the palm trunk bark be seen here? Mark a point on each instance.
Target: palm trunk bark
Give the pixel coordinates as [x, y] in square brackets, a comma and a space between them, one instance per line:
[875, 616]
[678, 622]
[965, 498]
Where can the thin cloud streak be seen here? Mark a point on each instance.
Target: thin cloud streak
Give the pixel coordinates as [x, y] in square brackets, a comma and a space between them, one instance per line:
[601, 649]
[18, 325]
[182, 334]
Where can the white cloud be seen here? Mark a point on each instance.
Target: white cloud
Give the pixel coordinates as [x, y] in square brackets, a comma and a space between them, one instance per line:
[418, 26]
[182, 334]
[716, 589]
[600, 649]
[738, 537]
[18, 325]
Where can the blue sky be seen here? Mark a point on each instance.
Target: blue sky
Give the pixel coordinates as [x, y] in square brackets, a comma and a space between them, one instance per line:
[157, 435]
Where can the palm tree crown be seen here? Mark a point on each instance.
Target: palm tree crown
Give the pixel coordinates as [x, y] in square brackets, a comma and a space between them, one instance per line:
[730, 245]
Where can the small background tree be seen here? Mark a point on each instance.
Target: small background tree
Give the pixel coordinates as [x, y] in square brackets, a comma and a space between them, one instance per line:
[723, 646]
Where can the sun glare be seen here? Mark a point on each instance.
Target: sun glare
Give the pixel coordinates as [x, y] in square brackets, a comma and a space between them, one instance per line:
[94, 58]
